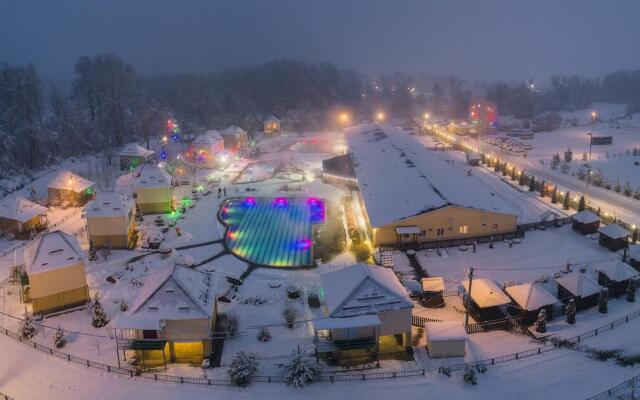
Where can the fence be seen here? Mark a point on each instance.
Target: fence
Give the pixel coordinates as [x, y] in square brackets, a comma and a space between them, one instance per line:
[545, 224]
[456, 242]
[476, 327]
[626, 386]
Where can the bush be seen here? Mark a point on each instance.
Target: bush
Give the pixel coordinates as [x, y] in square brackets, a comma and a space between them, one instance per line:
[299, 371]
[294, 292]
[290, 313]
[242, 367]
[264, 335]
[27, 329]
[314, 300]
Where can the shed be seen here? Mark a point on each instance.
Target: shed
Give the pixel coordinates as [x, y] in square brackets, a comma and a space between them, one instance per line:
[487, 299]
[21, 217]
[614, 237]
[69, 189]
[585, 222]
[615, 275]
[473, 159]
[634, 256]
[432, 292]
[153, 191]
[531, 298]
[55, 266]
[579, 286]
[445, 339]
[271, 125]
[110, 220]
[133, 155]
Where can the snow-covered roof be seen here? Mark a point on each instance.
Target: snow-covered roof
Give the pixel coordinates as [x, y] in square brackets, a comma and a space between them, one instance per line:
[433, 284]
[586, 217]
[531, 296]
[109, 204]
[614, 231]
[578, 283]
[135, 150]
[67, 180]
[363, 289]
[53, 250]
[474, 156]
[486, 293]
[152, 176]
[233, 129]
[19, 209]
[634, 251]
[347, 322]
[399, 177]
[175, 293]
[209, 138]
[446, 330]
[271, 118]
[616, 270]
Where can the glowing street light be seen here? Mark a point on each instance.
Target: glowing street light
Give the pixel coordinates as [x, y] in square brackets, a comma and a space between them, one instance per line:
[165, 139]
[426, 116]
[380, 116]
[344, 118]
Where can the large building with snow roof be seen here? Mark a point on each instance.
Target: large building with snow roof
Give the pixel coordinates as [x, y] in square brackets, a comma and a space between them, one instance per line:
[172, 319]
[133, 155]
[69, 189]
[21, 217]
[366, 306]
[410, 195]
[110, 220]
[54, 265]
[153, 190]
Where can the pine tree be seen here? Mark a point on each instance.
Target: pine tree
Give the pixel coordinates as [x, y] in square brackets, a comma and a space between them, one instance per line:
[581, 204]
[554, 196]
[532, 184]
[92, 252]
[27, 329]
[513, 173]
[631, 292]
[59, 339]
[570, 312]
[603, 299]
[521, 180]
[100, 318]
[542, 188]
[568, 155]
[299, 371]
[566, 204]
[242, 367]
[504, 169]
[541, 322]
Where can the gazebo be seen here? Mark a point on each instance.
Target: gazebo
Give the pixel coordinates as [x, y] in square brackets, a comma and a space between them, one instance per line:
[585, 222]
[615, 275]
[487, 300]
[614, 237]
[579, 286]
[531, 298]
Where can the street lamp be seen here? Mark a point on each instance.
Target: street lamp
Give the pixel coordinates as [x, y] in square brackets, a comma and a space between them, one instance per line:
[586, 192]
[426, 116]
[594, 117]
[380, 116]
[590, 134]
[343, 117]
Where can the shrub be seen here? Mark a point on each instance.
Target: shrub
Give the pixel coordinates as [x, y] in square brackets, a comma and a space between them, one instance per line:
[242, 367]
[290, 313]
[299, 371]
[294, 292]
[314, 300]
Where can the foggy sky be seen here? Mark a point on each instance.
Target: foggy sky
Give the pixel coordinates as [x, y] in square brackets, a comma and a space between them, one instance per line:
[474, 39]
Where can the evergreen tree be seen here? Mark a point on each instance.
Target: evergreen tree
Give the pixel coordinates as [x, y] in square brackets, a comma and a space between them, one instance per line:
[532, 184]
[570, 312]
[92, 252]
[603, 299]
[100, 318]
[59, 339]
[521, 179]
[566, 204]
[513, 173]
[542, 188]
[299, 371]
[541, 322]
[631, 292]
[27, 329]
[581, 204]
[568, 155]
[242, 367]
[554, 196]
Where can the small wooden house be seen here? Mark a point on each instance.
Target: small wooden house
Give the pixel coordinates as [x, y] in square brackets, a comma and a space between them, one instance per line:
[367, 312]
[110, 221]
[236, 139]
[209, 148]
[615, 275]
[614, 237]
[579, 286]
[432, 292]
[271, 125]
[68, 189]
[153, 191]
[473, 159]
[172, 320]
[634, 256]
[445, 339]
[585, 222]
[54, 265]
[21, 218]
[530, 299]
[133, 156]
[487, 300]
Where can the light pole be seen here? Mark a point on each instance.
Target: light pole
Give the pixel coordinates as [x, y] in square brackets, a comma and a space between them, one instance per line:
[586, 192]
[590, 134]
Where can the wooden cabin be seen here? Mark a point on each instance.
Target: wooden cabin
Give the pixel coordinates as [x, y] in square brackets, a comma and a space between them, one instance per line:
[614, 237]
[21, 218]
[271, 125]
[585, 222]
[615, 276]
[133, 156]
[487, 302]
[54, 265]
[530, 299]
[432, 292]
[445, 339]
[110, 221]
[579, 286]
[68, 189]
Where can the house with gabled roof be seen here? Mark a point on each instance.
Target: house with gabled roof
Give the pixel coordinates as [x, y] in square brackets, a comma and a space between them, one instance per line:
[614, 237]
[581, 287]
[110, 220]
[133, 155]
[366, 309]
[236, 139]
[271, 125]
[172, 319]
[69, 189]
[21, 217]
[56, 278]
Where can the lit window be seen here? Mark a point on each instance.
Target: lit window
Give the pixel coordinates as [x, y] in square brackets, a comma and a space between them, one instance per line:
[463, 229]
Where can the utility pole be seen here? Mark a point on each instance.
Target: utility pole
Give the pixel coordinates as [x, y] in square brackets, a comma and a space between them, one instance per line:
[468, 302]
[590, 134]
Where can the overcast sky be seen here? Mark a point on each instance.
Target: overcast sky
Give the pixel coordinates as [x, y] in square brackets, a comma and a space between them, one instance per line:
[478, 39]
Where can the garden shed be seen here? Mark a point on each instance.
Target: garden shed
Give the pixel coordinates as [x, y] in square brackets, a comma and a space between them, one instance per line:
[21, 217]
[530, 299]
[614, 237]
[432, 292]
[445, 339]
[487, 299]
[585, 222]
[579, 286]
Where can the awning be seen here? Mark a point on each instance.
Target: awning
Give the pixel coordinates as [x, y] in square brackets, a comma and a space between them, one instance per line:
[406, 230]
[359, 321]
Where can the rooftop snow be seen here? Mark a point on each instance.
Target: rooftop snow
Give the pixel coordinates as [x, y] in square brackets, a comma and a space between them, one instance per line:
[135, 150]
[233, 129]
[271, 118]
[67, 180]
[363, 289]
[108, 204]
[634, 251]
[616, 270]
[51, 251]
[433, 284]
[152, 176]
[19, 209]
[485, 293]
[579, 284]
[586, 217]
[209, 138]
[531, 296]
[614, 231]
[447, 330]
[399, 177]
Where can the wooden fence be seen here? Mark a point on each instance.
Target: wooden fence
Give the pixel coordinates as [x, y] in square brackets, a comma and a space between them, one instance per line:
[475, 327]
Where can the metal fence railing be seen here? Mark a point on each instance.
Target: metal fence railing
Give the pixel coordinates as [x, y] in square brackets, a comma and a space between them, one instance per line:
[628, 386]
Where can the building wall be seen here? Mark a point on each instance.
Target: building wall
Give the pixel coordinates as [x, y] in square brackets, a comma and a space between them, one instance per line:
[395, 322]
[446, 348]
[58, 280]
[154, 200]
[354, 333]
[451, 221]
[60, 300]
[57, 196]
[128, 162]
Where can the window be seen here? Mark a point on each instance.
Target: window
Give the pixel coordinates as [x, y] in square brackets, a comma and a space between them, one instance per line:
[494, 226]
[440, 231]
[463, 229]
[423, 233]
[405, 235]
[429, 229]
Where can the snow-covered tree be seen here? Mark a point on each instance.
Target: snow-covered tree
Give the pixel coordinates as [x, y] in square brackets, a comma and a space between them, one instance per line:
[570, 312]
[27, 329]
[59, 339]
[242, 367]
[631, 292]
[469, 375]
[299, 371]
[568, 155]
[541, 322]
[99, 317]
[92, 252]
[554, 195]
[532, 184]
[264, 335]
[581, 204]
[603, 300]
[566, 204]
[290, 313]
